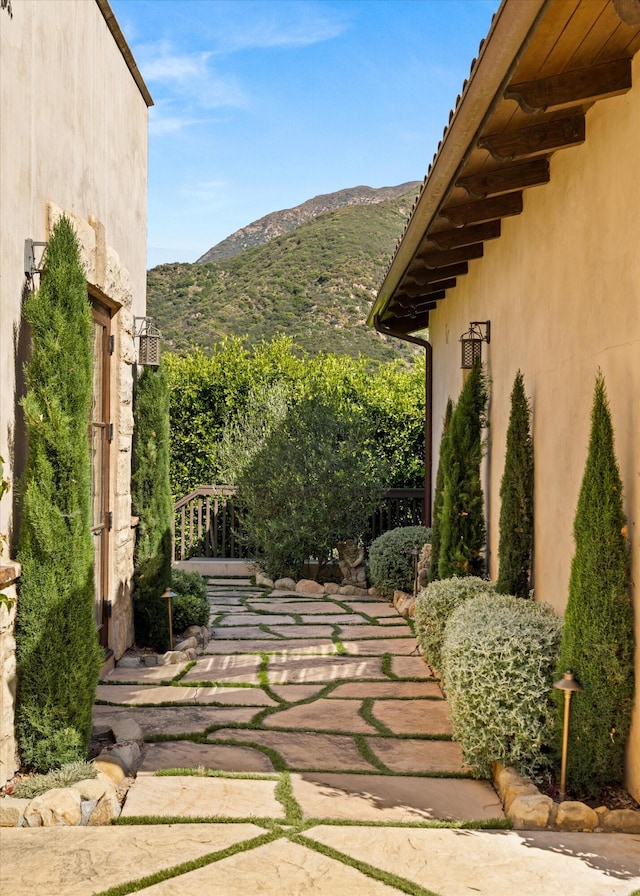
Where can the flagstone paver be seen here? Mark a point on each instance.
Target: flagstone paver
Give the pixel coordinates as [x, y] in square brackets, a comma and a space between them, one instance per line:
[301, 751]
[226, 646]
[200, 797]
[186, 754]
[256, 619]
[284, 670]
[242, 633]
[295, 605]
[358, 632]
[322, 715]
[411, 755]
[381, 798]
[177, 719]
[380, 646]
[292, 693]
[398, 689]
[225, 668]
[302, 631]
[374, 608]
[414, 716]
[148, 694]
[146, 674]
[410, 667]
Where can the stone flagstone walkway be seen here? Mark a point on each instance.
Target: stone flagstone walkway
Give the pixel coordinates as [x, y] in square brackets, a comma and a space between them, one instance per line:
[307, 751]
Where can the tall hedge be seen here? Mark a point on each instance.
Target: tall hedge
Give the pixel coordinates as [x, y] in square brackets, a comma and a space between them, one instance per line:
[462, 526]
[152, 502]
[58, 654]
[515, 548]
[597, 643]
[438, 495]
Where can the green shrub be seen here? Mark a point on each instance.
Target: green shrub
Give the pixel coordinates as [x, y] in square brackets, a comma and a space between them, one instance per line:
[64, 776]
[438, 496]
[151, 500]
[499, 655]
[597, 642]
[434, 606]
[462, 527]
[58, 653]
[391, 561]
[516, 499]
[190, 606]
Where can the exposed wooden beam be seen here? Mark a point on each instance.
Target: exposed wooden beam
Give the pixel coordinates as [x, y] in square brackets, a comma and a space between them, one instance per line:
[433, 260]
[423, 276]
[416, 301]
[465, 236]
[540, 138]
[569, 88]
[407, 324]
[483, 210]
[507, 178]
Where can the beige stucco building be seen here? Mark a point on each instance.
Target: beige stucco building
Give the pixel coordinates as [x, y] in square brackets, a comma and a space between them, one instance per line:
[73, 140]
[530, 218]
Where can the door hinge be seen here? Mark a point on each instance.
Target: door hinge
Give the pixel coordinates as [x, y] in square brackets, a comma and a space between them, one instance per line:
[109, 520]
[110, 432]
[112, 344]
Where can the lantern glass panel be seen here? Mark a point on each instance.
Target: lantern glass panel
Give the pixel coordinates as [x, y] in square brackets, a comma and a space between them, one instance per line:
[471, 349]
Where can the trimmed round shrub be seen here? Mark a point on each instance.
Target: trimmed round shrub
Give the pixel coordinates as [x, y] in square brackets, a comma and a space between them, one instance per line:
[391, 562]
[434, 606]
[190, 606]
[499, 656]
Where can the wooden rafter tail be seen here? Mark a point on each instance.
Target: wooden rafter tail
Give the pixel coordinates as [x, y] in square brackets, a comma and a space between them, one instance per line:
[570, 88]
[465, 236]
[482, 210]
[539, 138]
[520, 176]
[435, 260]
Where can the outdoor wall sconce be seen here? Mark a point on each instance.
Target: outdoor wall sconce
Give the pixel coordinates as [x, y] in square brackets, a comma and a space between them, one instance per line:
[31, 266]
[149, 336]
[569, 685]
[472, 340]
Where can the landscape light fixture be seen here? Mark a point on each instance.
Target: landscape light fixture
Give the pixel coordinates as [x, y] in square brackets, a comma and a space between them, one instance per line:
[415, 552]
[472, 340]
[149, 336]
[168, 594]
[569, 685]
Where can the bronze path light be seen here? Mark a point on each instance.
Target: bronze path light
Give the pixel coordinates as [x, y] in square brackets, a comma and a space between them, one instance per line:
[569, 685]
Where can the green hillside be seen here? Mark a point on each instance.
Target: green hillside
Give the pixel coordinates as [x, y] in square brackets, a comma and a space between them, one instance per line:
[315, 284]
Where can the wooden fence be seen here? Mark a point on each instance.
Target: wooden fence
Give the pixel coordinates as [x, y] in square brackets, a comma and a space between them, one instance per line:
[208, 521]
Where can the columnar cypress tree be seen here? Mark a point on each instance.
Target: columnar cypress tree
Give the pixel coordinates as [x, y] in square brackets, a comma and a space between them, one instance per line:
[437, 498]
[152, 502]
[462, 527]
[516, 496]
[58, 654]
[597, 642]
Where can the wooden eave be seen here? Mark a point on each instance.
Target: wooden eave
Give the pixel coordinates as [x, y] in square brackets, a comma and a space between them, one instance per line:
[123, 46]
[540, 69]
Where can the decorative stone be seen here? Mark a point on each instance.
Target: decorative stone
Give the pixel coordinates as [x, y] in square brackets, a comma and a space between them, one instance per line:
[150, 659]
[331, 588]
[111, 767]
[127, 754]
[129, 662]
[353, 591]
[12, 812]
[264, 581]
[575, 816]
[308, 586]
[187, 644]
[285, 585]
[531, 812]
[200, 632]
[104, 812]
[510, 793]
[373, 592]
[621, 821]
[191, 653]
[92, 788]
[86, 808]
[173, 657]
[125, 728]
[57, 807]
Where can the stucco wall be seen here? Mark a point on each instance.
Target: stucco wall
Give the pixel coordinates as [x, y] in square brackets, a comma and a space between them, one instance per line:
[562, 290]
[73, 139]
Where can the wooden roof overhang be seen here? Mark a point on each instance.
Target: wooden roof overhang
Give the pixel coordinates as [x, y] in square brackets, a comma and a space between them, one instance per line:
[542, 66]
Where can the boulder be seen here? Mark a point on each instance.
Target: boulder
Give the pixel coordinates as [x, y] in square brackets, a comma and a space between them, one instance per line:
[187, 644]
[285, 585]
[353, 591]
[111, 767]
[531, 812]
[308, 586]
[12, 812]
[173, 657]
[58, 807]
[621, 821]
[126, 728]
[264, 581]
[331, 588]
[127, 754]
[129, 662]
[575, 816]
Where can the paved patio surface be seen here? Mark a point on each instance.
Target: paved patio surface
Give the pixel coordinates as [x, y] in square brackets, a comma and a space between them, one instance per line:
[308, 751]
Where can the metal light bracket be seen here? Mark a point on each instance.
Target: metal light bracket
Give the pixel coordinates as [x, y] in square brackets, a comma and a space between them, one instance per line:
[30, 266]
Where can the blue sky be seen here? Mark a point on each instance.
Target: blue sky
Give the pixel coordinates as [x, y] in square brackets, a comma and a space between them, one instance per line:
[263, 104]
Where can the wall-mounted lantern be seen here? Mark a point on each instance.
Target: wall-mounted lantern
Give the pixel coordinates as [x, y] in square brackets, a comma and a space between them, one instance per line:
[479, 331]
[149, 336]
[33, 265]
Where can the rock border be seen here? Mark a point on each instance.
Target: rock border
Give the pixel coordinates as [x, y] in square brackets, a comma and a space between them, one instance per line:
[91, 802]
[310, 587]
[529, 810]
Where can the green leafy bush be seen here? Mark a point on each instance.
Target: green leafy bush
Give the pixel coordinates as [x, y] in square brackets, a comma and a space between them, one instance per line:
[391, 561]
[58, 653]
[434, 606]
[597, 642]
[499, 655]
[438, 496]
[190, 606]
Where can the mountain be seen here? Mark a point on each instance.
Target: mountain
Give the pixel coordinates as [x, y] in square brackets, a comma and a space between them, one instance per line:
[315, 283]
[278, 223]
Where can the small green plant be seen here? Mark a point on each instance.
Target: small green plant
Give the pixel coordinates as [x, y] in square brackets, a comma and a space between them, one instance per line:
[499, 655]
[190, 606]
[65, 776]
[516, 497]
[434, 606]
[391, 561]
[598, 642]
[462, 527]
